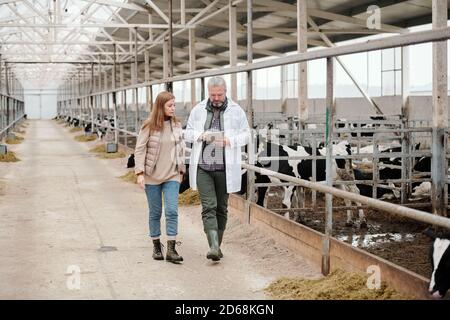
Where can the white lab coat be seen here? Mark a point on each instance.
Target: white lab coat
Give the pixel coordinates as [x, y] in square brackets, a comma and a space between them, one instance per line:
[236, 129]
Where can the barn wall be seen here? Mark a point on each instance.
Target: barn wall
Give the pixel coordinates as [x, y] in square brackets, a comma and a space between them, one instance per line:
[308, 242]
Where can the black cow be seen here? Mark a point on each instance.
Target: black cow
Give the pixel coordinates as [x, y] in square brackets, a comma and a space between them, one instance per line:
[384, 174]
[423, 165]
[440, 262]
[130, 162]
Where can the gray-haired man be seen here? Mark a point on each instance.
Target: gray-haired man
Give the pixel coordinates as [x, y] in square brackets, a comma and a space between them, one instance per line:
[217, 128]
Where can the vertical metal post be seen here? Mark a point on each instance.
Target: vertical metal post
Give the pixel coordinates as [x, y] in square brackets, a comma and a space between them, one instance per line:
[202, 89]
[91, 98]
[100, 73]
[150, 98]
[407, 163]
[6, 78]
[330, 105]
[114, 97]
[232, 21]
[250, 115]
[123, 102]
[375, 172]
[1, 70]
[183, 12]
[192, 64]
[169, 85]
[146, 79]
[302, 46]
[135, 90]
[440, 111]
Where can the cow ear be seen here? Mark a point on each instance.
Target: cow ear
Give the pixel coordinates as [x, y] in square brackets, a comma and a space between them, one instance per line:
[430, 233]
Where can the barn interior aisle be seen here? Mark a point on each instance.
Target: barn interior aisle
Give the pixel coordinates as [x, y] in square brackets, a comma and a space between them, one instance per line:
[65, 212]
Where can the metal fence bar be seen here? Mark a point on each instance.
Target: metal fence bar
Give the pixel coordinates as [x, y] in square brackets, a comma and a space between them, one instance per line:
[373, 203]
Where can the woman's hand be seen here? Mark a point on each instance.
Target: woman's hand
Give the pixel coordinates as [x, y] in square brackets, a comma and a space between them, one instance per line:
[141, 181]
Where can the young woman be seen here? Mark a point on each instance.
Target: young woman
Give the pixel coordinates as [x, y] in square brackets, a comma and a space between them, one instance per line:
[159, 158]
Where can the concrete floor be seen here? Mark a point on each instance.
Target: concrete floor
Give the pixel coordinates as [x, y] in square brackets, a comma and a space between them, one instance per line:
[67, 220]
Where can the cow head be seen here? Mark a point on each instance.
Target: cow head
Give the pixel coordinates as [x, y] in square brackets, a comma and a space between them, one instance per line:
[440, 261]
[342, 148]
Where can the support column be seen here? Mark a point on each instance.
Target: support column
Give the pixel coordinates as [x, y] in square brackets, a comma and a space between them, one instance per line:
[406, 141]
[114, 97]
[233, 47]
[440, 111]
[150, 32]
[105, 81]
[99, 73]
[135, 78]
[249, 111]
[169, 85]
[6, 78]
[146, 66]
[330, 111]
[302, 46]
[165, 59]
[148, 90]
[192, 65]
[124, 104]
[1, 70]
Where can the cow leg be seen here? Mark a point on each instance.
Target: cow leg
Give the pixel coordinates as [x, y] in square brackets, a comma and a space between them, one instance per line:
[262, 190]
[300, 203]
[287, 199]
[362, 218]
[348, 203]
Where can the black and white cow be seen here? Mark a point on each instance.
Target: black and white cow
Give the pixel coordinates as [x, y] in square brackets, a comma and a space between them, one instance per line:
[440, 262]
[303, 169]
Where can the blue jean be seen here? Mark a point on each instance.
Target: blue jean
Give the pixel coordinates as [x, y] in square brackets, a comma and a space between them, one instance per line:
[154, 197]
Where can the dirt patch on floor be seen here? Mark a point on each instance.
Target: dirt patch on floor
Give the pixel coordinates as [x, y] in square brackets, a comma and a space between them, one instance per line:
[2, 188]
[85, 138]
[129, 177]
[338, 285]
[9, 157]
[100, 150]
[16, 140]
[396, 239]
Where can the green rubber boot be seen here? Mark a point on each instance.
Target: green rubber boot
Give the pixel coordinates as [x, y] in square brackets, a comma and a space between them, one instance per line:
[220, 242]
[213, 240]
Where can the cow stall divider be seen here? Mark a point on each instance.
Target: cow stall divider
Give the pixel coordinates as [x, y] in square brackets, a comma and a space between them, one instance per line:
[71, 100]
[12, 112]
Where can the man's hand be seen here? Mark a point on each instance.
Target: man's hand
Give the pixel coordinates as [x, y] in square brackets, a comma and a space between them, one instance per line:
[205, 136]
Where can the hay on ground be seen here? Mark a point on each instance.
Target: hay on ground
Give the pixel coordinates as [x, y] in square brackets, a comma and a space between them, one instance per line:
[189, 198]
[100, 148]
[9, 157]
[15, 140]
[76, 129]
[338, 285]
[114, 155]
[85, 138]
[129, 177]
[19, 131]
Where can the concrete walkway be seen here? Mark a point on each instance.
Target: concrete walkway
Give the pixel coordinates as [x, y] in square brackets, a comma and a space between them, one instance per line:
[70, 229]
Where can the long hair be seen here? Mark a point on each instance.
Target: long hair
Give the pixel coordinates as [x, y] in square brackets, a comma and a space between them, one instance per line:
[156, 119]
